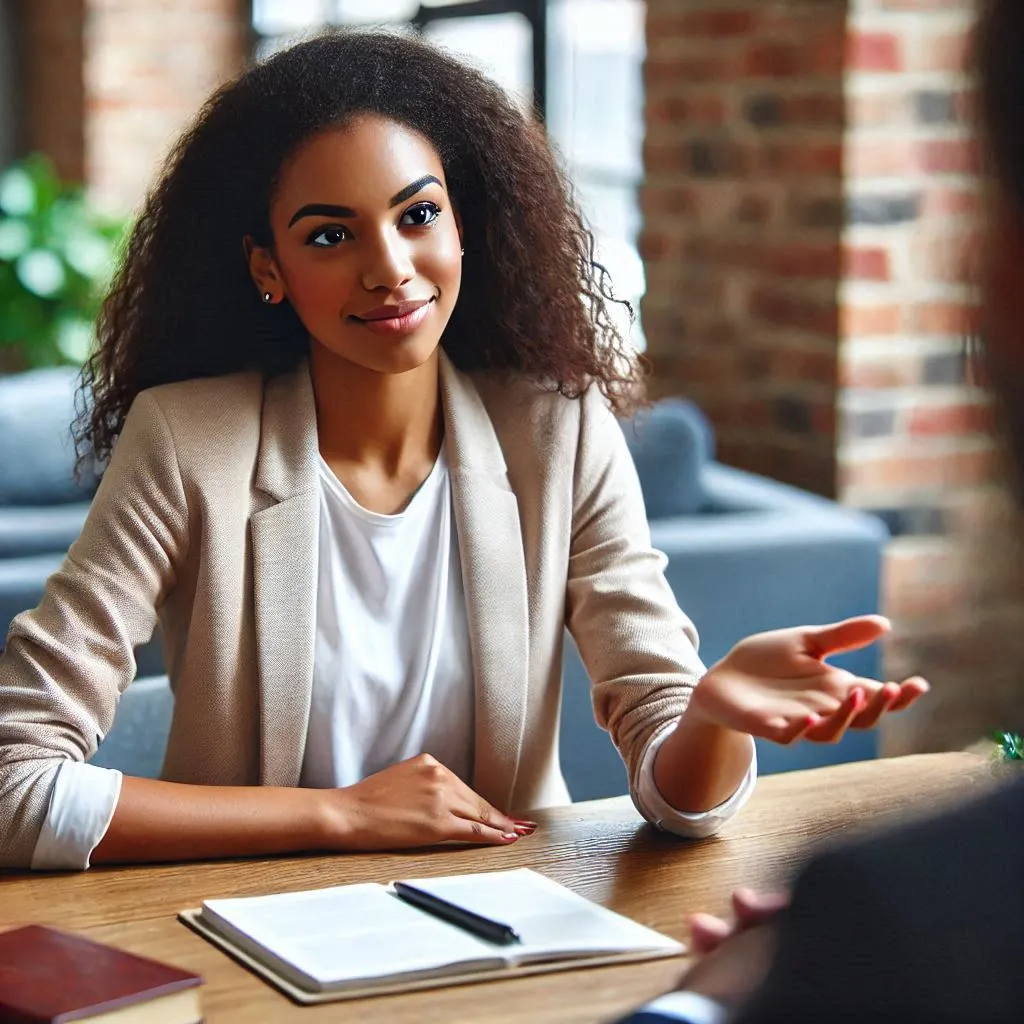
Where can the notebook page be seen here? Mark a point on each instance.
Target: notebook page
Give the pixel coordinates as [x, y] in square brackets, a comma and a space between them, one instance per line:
[326, 938]
[552, 921]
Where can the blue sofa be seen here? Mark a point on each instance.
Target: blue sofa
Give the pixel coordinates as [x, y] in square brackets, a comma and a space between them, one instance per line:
[745, 554]
[42, 504]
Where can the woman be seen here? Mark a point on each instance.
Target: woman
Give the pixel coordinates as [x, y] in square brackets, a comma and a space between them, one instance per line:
[369, 473]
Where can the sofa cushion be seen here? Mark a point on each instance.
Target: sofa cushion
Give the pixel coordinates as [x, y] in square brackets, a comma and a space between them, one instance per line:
[670, 444]
[37, 454]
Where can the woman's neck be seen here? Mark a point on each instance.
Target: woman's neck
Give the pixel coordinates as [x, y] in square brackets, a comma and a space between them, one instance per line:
[388, 422]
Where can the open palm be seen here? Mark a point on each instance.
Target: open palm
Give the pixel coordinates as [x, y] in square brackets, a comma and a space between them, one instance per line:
[778, 685]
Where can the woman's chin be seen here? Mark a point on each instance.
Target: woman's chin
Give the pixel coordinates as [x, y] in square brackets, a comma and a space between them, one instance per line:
[382, 355]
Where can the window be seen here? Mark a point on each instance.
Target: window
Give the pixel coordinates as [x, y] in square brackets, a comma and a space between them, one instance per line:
[578, 61]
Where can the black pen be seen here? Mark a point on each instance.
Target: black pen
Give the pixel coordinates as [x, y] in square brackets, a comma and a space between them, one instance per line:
[483, 927]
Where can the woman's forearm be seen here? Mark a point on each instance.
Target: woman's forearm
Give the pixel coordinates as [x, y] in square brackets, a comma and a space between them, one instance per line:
[700, 764]
[157, 820]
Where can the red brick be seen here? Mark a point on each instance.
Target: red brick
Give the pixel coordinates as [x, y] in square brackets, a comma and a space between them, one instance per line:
[946, 256]
[950, 420]
[812, 262]
[942, 318]
[868, 321]
[676, 109]
[874, 51]
[717, 23]
[941, 202]
[775, 60]
[657, 246]
[875, 110]
[862, 263]
[942, 53]
[797, 159]
[782, 309]
[880, 158]
[707, 67]
[896, 370]
[949, 156]
[938, 469]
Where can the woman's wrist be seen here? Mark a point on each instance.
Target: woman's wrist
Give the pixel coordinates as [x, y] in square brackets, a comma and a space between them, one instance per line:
[701, 763]
[330, 818]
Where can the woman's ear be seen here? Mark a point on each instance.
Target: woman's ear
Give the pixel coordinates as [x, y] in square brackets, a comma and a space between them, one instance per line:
[263, 269]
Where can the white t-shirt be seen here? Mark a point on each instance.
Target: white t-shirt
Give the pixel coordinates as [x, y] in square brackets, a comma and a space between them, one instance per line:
[392, 674]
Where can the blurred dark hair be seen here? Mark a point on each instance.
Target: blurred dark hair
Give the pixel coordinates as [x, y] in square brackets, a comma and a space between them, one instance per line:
[999, 63]
[183, 304]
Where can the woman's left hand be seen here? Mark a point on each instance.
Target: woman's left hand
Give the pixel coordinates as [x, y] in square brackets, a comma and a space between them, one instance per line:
[778, 686]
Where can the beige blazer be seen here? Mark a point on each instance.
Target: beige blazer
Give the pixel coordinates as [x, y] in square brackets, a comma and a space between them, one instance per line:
[206, 521]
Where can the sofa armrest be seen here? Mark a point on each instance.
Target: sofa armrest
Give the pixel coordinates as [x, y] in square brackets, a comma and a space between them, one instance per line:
[40, 530]
[744, 573]
[734, 490]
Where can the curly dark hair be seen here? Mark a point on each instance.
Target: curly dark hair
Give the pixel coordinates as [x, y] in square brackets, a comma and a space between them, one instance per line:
[183, 304]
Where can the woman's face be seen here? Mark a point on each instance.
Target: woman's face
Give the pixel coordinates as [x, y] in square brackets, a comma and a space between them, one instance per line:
[366, 244]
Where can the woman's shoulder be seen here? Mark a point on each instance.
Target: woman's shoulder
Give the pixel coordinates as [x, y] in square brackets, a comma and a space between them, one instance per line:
[530, 405]
[200, 397]
[204, 414]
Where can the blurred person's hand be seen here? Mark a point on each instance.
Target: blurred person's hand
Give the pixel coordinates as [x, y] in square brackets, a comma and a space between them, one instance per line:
[734, 956]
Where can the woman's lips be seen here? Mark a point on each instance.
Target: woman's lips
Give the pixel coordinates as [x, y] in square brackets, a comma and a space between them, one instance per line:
[402, 318]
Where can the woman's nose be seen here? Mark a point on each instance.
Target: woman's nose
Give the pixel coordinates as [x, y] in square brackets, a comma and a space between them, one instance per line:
[388, 264]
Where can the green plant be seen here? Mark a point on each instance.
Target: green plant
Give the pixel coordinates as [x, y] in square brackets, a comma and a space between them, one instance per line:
[1011, 746]
[57, 253]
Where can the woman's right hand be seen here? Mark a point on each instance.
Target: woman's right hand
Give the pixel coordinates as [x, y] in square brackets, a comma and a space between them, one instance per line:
[417, 802]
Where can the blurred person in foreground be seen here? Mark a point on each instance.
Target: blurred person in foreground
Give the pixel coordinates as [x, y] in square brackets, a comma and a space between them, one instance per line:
[923, 923]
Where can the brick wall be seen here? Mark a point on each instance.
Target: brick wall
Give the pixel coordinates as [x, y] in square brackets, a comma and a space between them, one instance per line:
[51, 40]
[743, 220]
[810, 211]
[914, 436]
[914, 440]
[108, 84]
[149, 64]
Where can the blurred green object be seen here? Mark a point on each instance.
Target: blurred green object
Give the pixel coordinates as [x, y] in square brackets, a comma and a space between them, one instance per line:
[1011, 746]
[57, 254]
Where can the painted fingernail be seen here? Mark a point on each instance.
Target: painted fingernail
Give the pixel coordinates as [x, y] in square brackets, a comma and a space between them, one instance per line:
[523, 821]
[509, 837]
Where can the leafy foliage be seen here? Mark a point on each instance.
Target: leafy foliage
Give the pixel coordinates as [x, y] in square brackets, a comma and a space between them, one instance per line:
[57, 254]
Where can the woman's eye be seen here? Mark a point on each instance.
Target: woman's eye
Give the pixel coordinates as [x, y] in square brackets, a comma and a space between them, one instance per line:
[328, 237]
[421, 215]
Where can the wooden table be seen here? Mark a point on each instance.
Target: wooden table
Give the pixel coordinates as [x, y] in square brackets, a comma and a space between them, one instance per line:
[601, 849]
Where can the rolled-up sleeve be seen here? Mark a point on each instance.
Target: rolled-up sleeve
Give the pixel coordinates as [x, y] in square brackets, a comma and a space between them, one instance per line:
[691, 825]
[82, 803]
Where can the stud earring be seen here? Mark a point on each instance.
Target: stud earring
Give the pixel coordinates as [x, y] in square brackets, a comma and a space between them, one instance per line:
[268, 297]
[463, 251]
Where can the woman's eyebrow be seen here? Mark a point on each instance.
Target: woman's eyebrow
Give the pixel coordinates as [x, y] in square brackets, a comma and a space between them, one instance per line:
[330, 210]
[411, 190]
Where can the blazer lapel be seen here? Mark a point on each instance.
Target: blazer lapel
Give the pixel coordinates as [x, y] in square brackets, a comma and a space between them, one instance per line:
[494, 580]
[284, 558]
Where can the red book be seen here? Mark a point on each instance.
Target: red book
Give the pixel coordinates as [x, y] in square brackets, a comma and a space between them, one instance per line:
[52, 977]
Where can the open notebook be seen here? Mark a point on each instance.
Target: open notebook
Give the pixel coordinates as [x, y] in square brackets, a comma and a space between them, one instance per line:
[357, 940]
